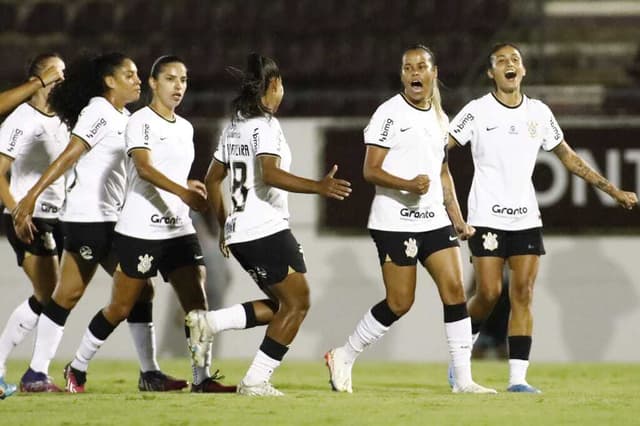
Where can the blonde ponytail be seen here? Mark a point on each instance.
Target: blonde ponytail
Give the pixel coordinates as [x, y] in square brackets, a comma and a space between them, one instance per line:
[436, 102]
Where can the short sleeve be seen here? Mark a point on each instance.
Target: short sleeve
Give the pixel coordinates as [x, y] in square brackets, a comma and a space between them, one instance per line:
[137, 134]
[552, 134]
[92, 125]
[463, 127]
[220, 153]
[266, 139]
[381, 129]
[15, 131]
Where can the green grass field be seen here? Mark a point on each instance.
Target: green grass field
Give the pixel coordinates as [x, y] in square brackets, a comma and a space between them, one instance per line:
[384, 394]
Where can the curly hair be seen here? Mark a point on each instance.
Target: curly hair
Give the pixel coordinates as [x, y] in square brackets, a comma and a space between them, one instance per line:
[84, 79]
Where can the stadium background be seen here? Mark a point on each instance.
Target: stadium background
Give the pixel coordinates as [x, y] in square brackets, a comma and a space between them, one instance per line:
[340, 59]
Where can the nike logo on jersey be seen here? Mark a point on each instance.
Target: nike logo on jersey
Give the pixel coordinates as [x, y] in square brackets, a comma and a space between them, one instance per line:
[405, 129]
[452, 238]
[491, 128]
[163, 138]
[198, 256]
[120, 132]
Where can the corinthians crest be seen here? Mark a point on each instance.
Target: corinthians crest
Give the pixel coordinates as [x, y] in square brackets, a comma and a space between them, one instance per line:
[532, 126]
[490, 241]
[145, 263]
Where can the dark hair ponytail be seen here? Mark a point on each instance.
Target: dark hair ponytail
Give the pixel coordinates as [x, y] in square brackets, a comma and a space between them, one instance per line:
[254, 83]
[84, 79]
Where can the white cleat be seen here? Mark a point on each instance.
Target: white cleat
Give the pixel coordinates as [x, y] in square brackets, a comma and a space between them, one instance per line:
[339, 370]
[473, 387]
[261, 389]
[200, 336]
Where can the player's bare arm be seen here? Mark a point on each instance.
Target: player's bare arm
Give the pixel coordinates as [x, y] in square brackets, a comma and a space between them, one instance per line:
[328, 186]
[375, 174]
[576, 165]
[453, 207]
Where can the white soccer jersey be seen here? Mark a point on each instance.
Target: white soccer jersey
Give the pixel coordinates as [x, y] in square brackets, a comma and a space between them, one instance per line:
[149, 212]
[33, 140]
[259, 210]
[416, 144]
[95, 186]
[504, 144]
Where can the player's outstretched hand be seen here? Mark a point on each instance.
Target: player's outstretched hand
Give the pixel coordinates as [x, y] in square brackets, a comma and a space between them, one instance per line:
[334, 188]
[198, 186]
[626, 199]
[194, 199]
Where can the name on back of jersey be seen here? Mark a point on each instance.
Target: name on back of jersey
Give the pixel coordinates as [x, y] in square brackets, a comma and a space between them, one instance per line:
[238, 149]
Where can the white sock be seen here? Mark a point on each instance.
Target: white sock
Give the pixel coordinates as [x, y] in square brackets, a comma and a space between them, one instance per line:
[518, 371]
[231, 318]
[368, 331]
[144, 339]
[21, 321]
[260, 370]
[459, 339]
[88, 348]
[202, 373]
[48, 338]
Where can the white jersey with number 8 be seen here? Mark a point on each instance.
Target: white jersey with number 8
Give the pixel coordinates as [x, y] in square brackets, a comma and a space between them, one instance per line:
[258, 209]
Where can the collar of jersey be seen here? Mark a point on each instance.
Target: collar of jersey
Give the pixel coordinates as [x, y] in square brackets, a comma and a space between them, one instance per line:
[158, 114]
[41, 112]
[505, 105]
[412, 105]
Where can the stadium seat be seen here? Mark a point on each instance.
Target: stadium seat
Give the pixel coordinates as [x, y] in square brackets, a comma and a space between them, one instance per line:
[94, 18]
[45, 18]
[8, 17]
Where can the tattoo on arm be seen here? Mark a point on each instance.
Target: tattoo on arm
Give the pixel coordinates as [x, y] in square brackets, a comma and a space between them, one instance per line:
[576, 165]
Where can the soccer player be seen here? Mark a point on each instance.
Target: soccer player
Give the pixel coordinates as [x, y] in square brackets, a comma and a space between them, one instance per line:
[31, 137]
[154, 231]
[91, 101]
[253, 150]
[411, 219]
[39, 79]
[506, 129]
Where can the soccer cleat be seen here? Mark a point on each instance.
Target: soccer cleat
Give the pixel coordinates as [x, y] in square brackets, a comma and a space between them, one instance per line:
[473, 387]
[6, 389]
[339, 370]
[157, 381]
[33, 381]
[451, 377]
[74, 379]
[523, 388]
[200, 336]
[261, 389]
[212, 385]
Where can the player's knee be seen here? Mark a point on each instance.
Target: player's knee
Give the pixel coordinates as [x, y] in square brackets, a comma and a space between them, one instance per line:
[400, 305]
[489, 294]
[521, 294]
[117, 312]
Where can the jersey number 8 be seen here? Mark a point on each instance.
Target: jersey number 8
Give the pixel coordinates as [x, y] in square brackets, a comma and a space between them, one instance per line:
[238, 189]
